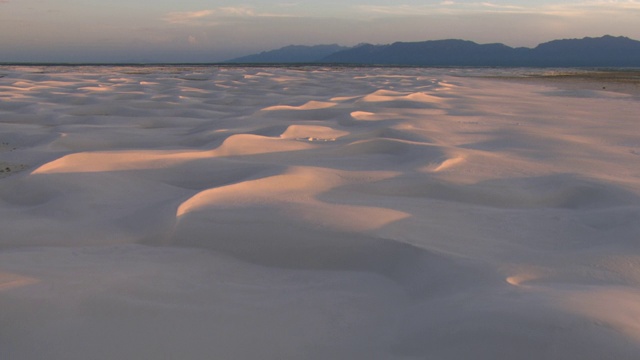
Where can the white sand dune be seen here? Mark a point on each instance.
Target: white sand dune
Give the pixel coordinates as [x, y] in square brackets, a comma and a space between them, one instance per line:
[234, 213]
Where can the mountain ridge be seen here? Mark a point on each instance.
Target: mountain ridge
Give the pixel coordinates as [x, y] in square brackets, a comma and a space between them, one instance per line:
[614, 51]
[291, 53]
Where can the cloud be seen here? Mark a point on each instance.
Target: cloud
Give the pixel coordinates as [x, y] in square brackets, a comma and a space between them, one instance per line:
[593, 9]
[444, 7]
[243, 11]
[188, 16]
[214, 16]
[502, 6]
[485, 7]
[395, 9]
[288, 4]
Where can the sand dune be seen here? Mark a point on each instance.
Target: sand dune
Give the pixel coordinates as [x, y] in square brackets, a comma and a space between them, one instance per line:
[311, 105]
[315, 213]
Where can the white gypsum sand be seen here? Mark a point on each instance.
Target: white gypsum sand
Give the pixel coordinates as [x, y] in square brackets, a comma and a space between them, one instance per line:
[312, 213]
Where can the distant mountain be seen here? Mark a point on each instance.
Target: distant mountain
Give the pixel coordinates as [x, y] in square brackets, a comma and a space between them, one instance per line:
[290, 54]
[602, 51]
[433, 53]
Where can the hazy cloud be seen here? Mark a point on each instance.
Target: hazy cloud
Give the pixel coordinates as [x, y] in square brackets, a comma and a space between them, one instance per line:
[401, 10]
[592, 9]
[237, 11]
[186, 17]
[289, 4]
[502, 6]
[213, 16]
[452, 7]
[444, 7]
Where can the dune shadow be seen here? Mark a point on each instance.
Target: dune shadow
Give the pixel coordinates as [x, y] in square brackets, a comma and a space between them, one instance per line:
[563, 191]
[264, 237]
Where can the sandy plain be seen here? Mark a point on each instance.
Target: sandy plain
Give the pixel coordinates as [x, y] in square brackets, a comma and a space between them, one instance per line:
[316, 213]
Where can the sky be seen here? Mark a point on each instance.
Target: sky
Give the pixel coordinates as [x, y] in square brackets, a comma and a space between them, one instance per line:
[211, 31]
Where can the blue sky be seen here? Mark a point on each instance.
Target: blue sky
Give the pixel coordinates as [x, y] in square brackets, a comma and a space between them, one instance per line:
[200, 30]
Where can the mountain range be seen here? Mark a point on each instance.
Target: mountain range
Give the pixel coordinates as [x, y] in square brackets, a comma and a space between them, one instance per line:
[605, 51]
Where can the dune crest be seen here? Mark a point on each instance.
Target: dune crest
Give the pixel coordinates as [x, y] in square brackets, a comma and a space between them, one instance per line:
[449, 163]
[235, 145]
[11, 281]
[311, 133]
[295, 192]
[311, 105]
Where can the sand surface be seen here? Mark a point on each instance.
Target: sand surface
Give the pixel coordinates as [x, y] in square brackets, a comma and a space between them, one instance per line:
[621, 80]
[311, 213]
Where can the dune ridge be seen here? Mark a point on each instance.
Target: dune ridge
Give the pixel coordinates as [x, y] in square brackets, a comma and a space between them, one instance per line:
[315, 213]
